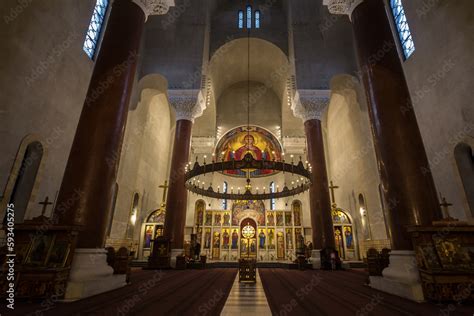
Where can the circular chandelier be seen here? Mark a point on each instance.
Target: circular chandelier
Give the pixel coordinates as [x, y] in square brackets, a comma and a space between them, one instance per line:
[246, 164]
[302, 184]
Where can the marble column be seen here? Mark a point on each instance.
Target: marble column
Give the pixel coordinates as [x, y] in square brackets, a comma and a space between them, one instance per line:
[407, 182]
[86, 191]
[309, 105]
[188, 105]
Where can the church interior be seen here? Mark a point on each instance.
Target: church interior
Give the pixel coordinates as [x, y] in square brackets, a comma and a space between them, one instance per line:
[222, 157]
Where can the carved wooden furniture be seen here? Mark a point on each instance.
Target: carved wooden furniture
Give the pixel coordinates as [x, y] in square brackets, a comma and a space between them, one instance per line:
[248, 270]
[43, 259]
[160, 257]
[445, 258]
[377, 261]
[330, 259]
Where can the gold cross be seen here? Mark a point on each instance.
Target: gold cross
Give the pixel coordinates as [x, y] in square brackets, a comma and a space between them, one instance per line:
[332, 187]
[165, 187]
[45, 204]
[162, 249]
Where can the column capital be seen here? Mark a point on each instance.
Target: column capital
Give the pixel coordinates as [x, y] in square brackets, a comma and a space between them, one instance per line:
[154, 7]
[188, 104]
[310, 104]
[342, 6]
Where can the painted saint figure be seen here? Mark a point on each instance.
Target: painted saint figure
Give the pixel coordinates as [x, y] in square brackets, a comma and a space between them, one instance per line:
[226, 219]
[279, 219]
[271, 237]
[208, 218]
[348, 234]
[235, 238]
[271, 219]
[217, 219]
[148, 236]
[261, 238]
[225, 239]
[207, 240]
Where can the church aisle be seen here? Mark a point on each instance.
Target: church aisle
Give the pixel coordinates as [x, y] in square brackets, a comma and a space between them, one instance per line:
[316, 292]
[247, 299]
[189, 292]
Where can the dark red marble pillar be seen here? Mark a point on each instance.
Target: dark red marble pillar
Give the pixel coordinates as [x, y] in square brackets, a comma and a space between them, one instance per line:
[320, 202]
[91, 171]
[176, 201]
[407, 182]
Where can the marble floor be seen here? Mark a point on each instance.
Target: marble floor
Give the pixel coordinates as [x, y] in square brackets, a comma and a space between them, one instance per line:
[247, 299]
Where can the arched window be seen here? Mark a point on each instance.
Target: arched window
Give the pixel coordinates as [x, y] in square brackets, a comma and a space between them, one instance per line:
[224, 189]
[112, 210]
[364, 217]
[272, 201]
[241, 19]
[404, 34]
[25, 179]
[249, 17]
[465, 163]
[257, 19]
[133, 216]
[95, 28]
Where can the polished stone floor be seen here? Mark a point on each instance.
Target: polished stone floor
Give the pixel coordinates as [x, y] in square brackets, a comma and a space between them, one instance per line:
[247, 299]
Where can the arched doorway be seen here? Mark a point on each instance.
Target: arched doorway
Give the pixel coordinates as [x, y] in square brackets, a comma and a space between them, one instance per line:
[344, 234]
[248, 238]
[465, 163]
[151, 228]
[25, 179]
[132, 216]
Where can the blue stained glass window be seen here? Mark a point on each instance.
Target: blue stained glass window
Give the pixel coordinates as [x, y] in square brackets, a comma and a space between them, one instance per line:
[403, 29]
[257, 19]
[241, 19]
[224, 190]
[249, 17]
[272, 190]
[95, 27]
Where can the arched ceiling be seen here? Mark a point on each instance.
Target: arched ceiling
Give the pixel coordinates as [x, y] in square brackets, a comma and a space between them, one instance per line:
[229, 65]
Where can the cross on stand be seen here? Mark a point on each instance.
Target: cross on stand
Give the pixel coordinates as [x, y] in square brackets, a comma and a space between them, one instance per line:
[45, 204]
[164, 186]
[445, 205]
[332, 187]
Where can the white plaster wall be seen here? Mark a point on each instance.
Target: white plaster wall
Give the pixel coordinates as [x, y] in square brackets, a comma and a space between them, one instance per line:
[439, 76]
[44, 75]
[144, 161]
[350, 154]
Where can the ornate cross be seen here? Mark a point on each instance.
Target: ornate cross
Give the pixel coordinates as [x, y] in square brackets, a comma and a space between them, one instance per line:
[165, 187]
[332, 187]
[445, 205]
[45, 204]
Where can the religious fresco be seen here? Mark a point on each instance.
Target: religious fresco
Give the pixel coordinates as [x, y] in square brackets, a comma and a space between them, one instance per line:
[274, 233]
[260, 143]
[343, 234]
[243, 209]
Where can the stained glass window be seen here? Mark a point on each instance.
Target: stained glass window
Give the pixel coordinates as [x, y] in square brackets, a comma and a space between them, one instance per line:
[249, 17]
[272, 190]
[224, 202]
[257, 19]
[241, 19]
[404, 34]
[95, 27]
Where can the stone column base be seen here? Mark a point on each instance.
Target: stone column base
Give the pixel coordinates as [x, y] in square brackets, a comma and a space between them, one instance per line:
[401, 277]
[316, 258]
[174, 253]
[90, 275]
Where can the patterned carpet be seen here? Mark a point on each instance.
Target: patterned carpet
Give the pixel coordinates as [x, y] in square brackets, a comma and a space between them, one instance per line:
[189, 292]
[312, 292]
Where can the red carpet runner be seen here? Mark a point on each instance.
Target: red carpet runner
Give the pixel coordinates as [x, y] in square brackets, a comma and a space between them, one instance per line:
[189, 292]
[334, 293]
